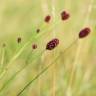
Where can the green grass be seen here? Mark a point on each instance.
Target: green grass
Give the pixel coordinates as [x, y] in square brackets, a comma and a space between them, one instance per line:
[73, 65]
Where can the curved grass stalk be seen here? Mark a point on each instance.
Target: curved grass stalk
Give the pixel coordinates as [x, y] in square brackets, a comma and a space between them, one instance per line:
[44, 70]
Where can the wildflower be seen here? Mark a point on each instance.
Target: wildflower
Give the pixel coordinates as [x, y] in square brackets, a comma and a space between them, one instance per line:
[47, 18]
[52, 44]
[84, 32]
[34, 46]
[64, 15]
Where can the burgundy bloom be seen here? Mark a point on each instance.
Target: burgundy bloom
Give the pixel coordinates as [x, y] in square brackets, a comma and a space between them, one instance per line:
[47, 18]
[84, 32]
[65, 15]
[34, 46]
[52, 44]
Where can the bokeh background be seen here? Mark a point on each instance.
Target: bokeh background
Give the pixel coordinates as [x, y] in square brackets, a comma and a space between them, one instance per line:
[73, 71]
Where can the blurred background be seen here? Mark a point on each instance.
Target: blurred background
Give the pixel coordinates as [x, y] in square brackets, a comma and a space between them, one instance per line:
[73, 70]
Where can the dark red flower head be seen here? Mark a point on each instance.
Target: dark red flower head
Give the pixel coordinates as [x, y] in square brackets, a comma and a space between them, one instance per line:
[65, 15]
[84, 32]
[52, 44]
[34, 46]
[47, 18]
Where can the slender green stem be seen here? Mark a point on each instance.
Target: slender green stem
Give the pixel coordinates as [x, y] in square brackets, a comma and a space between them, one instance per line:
[2, 58]
[2, 63]
[44, 70]
[26, 64]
